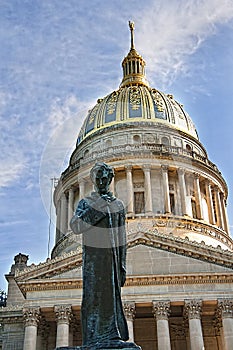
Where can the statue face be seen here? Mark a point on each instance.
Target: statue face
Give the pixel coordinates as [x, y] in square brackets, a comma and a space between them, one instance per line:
[102, 181]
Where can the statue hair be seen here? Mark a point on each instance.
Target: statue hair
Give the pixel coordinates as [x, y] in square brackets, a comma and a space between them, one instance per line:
[101, 166]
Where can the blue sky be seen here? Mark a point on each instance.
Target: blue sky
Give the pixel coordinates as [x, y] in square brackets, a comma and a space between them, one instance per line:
[58, 57]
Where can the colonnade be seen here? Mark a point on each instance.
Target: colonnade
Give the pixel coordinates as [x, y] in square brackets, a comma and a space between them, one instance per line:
[36, 328]
[213, 195]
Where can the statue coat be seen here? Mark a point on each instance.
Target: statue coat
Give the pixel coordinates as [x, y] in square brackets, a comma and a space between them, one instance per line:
[104, 267]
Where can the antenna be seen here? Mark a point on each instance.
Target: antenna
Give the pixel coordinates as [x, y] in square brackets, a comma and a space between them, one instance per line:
[54, 182]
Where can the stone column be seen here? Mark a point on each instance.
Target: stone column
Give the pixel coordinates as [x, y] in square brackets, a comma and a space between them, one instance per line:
[192, 312]
[209, 202]
[218, 207]
[58, 212]
[147, 185]
[81, 189]
[167, 205]
[112, 186]
[63, 221]
[130, 311]
[31, 317]
[197, 192]
[70, 206]
[226, 311]
[161, 310]
[63, 317]
[224, 213]
[181, 176]
[130, 193]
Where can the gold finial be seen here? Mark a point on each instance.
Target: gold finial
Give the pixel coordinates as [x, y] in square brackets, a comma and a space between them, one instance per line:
[131, 26]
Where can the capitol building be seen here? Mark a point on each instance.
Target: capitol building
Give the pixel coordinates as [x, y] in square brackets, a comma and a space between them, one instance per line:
[179, 288]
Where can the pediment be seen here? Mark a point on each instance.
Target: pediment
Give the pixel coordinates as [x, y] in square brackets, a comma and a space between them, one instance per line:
[151, 256]
[143, 260]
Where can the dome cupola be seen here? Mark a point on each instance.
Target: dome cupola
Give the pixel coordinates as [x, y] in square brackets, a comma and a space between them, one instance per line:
[133, 65]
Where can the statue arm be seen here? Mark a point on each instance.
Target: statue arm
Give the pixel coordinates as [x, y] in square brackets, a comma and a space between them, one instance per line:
[85, 217]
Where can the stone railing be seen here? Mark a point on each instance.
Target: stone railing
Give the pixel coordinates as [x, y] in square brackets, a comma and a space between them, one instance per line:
[145, 150]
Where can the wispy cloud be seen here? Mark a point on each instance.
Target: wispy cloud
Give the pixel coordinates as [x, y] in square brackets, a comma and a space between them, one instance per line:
[64, 122]
[170, 31]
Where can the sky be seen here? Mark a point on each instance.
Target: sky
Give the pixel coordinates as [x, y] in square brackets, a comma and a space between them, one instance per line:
[58, 57]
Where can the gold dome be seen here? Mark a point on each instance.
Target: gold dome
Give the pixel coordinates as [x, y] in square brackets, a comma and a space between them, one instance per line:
[136, 101]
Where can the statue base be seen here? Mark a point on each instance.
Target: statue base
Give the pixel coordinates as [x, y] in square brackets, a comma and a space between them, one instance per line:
[93, 348]
[131, 346]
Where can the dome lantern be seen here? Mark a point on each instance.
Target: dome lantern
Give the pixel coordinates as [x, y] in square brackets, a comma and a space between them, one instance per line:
[133, 65]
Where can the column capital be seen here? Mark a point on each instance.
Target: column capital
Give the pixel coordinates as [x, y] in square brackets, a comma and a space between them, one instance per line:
[164, 168]
[146, 167]
[196, 175]
[31, 316]
[192, 309]
[161, 310]
[129, 310]
[63, 313]
[181, 171]
[128, 168]
[226, 307]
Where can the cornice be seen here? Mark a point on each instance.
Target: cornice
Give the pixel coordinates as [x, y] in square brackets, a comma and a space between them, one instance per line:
[51, 267]
[132, 281]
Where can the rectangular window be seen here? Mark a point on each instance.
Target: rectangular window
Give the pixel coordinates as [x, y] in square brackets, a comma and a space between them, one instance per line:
[172, 202]
[194, 209]
[139, 202]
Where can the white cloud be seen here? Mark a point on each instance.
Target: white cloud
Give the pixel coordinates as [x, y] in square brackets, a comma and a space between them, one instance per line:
[11, 169]
[168, 32]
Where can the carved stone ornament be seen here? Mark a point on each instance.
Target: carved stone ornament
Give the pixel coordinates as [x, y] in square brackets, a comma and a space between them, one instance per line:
[112, 102]
[192, 309]
[129, 310]
[158, 100]
[31, 316]
[135, 99]
[226, 308]
[161, 310]
[63, 313]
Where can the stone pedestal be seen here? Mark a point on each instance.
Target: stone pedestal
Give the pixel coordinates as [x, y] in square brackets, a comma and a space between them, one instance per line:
[85, 348]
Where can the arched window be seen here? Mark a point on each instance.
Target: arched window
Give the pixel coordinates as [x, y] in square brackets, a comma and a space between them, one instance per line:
[86, 154]
[165, 141]
[188, 148]
[108, 143]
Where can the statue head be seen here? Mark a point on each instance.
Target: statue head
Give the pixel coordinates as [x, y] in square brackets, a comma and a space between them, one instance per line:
[101, 176]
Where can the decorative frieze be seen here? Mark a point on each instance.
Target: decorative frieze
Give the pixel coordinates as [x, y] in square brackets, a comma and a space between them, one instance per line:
[161, 310]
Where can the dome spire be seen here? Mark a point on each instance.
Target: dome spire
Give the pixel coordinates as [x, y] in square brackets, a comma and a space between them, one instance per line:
[133, 65]
[131, 26]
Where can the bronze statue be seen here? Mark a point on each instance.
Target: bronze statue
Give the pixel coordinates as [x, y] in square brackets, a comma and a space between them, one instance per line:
[101, 219]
